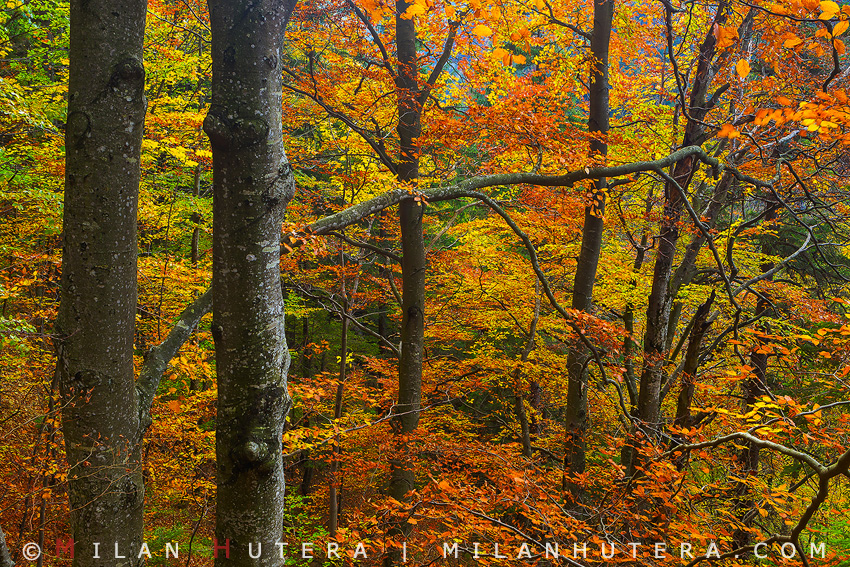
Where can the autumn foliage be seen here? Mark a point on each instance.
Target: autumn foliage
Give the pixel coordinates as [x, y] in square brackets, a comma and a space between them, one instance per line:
[752, 444]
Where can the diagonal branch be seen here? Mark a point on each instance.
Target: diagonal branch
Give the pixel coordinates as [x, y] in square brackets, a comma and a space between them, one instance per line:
[375, 37]
[158, 357]
[362, 210]
[441, 62]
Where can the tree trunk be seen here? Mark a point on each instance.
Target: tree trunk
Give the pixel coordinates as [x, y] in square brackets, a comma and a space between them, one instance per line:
[305, 342]
[252, 183]
[5, 558]
[103, 136]
[591, 246]
[689, 373]
[402, 474]
[519, 397]
[333, 498]
[660, 299]
[196, 218]
[753, 389]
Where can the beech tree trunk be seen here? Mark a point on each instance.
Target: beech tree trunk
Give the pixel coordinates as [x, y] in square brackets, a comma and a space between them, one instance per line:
[252, 183]
[591, 244]
[196, 218]
[5, 558]
[660, 298]
[402, 473]
[413, 252]
[95, 323]
[333, 492]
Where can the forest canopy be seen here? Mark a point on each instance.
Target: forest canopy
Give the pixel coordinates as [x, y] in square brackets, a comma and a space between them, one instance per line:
[424, 282]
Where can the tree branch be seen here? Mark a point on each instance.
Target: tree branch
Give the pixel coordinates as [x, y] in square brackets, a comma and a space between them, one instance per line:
[158, 357]
[441, 62]
[362, 210]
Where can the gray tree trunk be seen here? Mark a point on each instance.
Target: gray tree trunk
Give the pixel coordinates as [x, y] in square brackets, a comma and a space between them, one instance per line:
[252, 183]
[5, 558]
[95, 323]
[591, 245]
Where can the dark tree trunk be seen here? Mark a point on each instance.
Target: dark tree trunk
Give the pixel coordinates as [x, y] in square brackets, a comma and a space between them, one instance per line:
[252, 183]
[103, 136]
[402, 473]
[305, 341]
[660, 298]
[753, 389]
[413, 252]
[334, 497]
[684, 418]
[196, 218]
[591, 245]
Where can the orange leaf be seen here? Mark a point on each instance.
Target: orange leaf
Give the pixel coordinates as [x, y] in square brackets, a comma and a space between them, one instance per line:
[482, 31]
[728, 131]
[743, 68]
[829, 9]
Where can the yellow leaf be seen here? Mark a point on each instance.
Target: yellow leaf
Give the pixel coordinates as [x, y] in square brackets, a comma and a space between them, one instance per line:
[482, 31]
[828, 7]
[540, 5]
[414, 10]
[743, 68]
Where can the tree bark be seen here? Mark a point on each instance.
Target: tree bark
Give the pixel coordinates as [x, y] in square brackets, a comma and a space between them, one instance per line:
[519, 397]
[196, 218]
[689, 373]
[252, 183]
[333, 497]
[5, 558]
[591, 246]
[660, 299]
[402, 473]
[95, 323]
[753, 389]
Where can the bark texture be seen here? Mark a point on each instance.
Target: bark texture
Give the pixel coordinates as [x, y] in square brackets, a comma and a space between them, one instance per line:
[591, 243]
[5, 558]
[660, 298]
[103, 136]
[252, 183]
[402, 474]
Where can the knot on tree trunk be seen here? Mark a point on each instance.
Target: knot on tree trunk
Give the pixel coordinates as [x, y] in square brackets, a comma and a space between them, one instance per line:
[233, 134]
